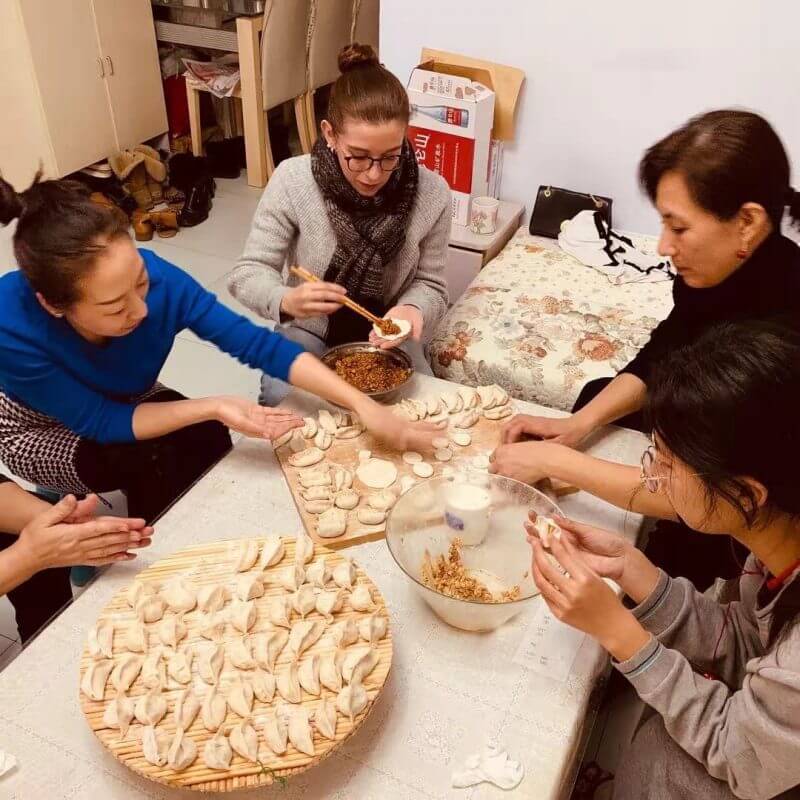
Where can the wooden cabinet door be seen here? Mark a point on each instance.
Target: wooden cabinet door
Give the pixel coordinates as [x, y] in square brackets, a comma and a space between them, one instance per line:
[127, 39]
[68, 69]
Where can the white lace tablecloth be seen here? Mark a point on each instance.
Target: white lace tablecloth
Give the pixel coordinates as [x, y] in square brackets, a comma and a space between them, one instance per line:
[449, 692]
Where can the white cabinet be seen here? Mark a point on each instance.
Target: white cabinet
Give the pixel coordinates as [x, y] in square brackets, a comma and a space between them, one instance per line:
[81, 81]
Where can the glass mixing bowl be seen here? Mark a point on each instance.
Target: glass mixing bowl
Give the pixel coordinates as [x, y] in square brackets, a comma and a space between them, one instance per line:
[423, 520]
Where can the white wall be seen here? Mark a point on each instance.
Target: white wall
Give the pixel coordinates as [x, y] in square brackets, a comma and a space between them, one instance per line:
[606, 79]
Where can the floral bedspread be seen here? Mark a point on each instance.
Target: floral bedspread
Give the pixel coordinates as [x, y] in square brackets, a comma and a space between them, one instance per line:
[541, 324]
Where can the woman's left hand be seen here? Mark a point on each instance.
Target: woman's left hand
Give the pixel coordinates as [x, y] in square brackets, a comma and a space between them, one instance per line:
[583, 600]
[409, 313]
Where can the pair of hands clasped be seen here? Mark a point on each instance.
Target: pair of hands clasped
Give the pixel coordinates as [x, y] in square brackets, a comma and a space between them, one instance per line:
[320, 299]
[582, 598]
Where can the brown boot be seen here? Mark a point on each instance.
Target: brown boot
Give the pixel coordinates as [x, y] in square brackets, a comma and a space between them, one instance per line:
[142, 225]
[165, 223]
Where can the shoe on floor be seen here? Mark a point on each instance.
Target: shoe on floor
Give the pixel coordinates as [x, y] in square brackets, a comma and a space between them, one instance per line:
[197, 206]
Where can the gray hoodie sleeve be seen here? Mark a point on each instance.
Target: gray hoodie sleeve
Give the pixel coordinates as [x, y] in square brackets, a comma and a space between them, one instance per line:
[257, 282]
[749, 738]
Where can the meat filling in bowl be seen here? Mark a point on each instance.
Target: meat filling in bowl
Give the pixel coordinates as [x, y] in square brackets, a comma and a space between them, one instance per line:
[370, 372]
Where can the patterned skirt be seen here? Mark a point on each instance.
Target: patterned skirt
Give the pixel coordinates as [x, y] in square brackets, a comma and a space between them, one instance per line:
[40, 449]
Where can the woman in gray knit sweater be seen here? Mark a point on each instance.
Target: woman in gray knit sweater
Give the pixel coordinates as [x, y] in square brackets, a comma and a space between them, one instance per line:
[722, 680]
[358, 213]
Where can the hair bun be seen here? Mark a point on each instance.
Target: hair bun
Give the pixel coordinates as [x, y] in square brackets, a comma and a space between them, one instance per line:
[357, 56]
[11, 205]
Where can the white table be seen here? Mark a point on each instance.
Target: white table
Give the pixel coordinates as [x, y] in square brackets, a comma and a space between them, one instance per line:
[448, 691]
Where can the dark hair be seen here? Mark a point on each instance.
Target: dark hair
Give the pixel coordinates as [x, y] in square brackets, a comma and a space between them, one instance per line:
[727, 158]
[60, 232]
[726, 406]
[366, 90]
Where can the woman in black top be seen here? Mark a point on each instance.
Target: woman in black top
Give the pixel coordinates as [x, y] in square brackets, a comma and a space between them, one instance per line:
[721, 185]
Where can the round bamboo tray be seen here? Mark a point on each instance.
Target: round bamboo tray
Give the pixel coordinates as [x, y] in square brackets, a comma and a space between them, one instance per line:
[209, 564]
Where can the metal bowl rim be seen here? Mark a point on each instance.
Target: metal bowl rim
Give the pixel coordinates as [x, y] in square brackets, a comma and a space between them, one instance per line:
[394, 353]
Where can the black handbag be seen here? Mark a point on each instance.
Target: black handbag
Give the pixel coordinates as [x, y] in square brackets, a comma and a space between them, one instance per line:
[554, 205]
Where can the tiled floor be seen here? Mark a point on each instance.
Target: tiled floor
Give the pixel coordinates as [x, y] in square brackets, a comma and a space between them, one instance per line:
[208, 252]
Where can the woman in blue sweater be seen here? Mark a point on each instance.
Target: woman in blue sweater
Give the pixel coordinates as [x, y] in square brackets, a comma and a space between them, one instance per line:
[87, 323]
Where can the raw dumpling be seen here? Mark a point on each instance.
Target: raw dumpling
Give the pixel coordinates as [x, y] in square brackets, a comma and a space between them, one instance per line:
[303, 550]
[268, 647]
[318, 574]
[263, 684]
[306, 458]
[217, 753]
[249, 587]
[213, 598]
[469, 397]
[328, 603]
[151, 608]
[187, 707]
[276, 732]
[318, 493]
[344, 574]
[297, 441]
[154, 746]
[119, 714]
[327, 421]
[293, 577]
[318, 506]
[288, 684]
[243, 615]
[240, 697]
[433, 406]
[240, 654]
[171, 630]
[247, 555]
[309, 429]
[467, 419]
[182, 752]
[331, 523]
[210, 664]
[179, 594]
[361, 599]
[279, 610]
[341, 479]
[136, 637]
[315, 477]
[325, 718]
[322, 441]
[347, 499]
[300, 734]
[373, 628]
[244, 741]
[154, 672]
[352, 700]
[345, 633]
[126, 672]
[282, 440]
[330, 669]
[453, 402]
[304, 634]
[350, 432]
[272, 552]
[377, 473]
[93, 683]
[308, 674]
[101, 639]
[212, 626]
[151, 707]
[214, 709]
[498, 412]
[358, 664]
[138, 591]
[179, 665]
[382, 500]
[371, 516]
[304, 600]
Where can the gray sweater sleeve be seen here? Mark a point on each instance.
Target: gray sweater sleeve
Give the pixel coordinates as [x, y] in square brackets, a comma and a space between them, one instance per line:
[748, 738]
[428, 290]
[257, 282]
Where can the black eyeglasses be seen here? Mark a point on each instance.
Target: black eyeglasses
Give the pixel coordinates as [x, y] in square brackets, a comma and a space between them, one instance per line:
[364, 163]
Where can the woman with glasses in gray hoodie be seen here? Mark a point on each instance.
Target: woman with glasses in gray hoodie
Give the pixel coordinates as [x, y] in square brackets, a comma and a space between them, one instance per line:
[721, 679]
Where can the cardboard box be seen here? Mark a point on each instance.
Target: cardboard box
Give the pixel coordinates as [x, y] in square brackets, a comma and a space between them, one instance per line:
[454, 111]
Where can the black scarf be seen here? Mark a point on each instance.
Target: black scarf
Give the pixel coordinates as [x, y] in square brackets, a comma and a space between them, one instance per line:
[369, 233]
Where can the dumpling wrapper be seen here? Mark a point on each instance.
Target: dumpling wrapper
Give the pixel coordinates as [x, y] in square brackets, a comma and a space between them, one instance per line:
[352, 700]
[361, 599]
[272, 552]
[358, 664]
[217, 753]
[377, 473]
[244, 741]
[101, 640]
[325, 717]
[151, 707]
[247, 555]
[423, 469]
[210, 664]
[182, 752]
[154, 746]
[308, 675]
[93, 683]
[179, 594]
[461, 438]
[403, 324]
[119, 713]
[268, 647]
[214, 709]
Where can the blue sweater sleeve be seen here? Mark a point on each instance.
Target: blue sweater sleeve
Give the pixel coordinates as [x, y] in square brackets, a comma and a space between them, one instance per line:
[201, 312]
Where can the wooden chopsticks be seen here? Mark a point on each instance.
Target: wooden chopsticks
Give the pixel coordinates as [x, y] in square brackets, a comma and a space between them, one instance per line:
[305, 275]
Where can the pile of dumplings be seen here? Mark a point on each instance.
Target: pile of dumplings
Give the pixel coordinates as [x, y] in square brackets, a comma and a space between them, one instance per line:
[326, 489]
[251, 667]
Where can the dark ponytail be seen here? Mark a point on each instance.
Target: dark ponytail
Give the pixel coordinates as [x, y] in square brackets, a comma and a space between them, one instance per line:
[793, 206]
[726, 406]
[60, 232]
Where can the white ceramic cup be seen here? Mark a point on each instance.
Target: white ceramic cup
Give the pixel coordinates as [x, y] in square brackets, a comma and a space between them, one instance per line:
[466, 512]
[483, 215]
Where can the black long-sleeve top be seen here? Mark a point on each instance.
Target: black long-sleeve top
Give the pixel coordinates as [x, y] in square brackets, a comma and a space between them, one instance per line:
[766, 286]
